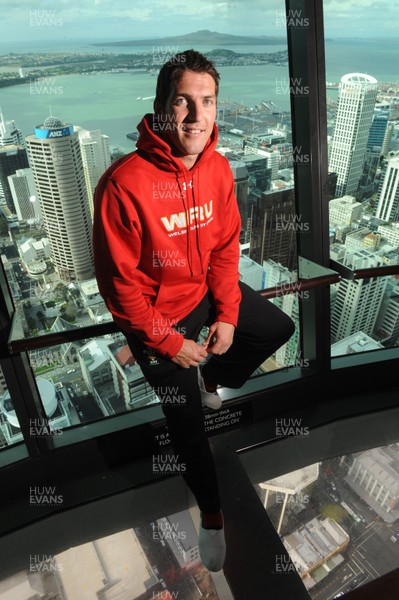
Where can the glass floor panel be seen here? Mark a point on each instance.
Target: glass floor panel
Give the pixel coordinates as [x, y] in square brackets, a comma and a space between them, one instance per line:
[338, 519]
[156, 558]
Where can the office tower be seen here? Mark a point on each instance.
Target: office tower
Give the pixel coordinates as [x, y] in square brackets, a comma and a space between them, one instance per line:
[9, 134]
[386, 146]
[377, 130]
[241, 185]
[24, 195]
[357, 302]
[12, 158]
[274, 228]
[96, 158]
[56, 162]
[388, 191]
[375, 146]
[387, 326]
[356, 100]
[260, 176]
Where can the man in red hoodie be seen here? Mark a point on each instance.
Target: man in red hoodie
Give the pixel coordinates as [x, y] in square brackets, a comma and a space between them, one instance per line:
[166, 247]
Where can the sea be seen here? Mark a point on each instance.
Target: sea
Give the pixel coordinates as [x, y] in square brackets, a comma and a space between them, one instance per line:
[116, 102]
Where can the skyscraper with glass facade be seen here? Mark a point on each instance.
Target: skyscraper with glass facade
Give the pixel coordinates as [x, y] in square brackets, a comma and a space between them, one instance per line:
[56, 162]
[356, 101]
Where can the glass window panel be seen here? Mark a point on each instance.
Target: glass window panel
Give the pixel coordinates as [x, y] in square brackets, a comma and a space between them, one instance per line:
[81, 382]
[46, 228]
[337, 518]
[90, 379]
[363, 138]
[10, 432]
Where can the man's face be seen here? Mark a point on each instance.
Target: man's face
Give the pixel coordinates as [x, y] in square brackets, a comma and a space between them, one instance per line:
[191, 110]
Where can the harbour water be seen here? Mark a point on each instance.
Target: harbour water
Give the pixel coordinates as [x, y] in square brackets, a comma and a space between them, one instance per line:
[108, 101]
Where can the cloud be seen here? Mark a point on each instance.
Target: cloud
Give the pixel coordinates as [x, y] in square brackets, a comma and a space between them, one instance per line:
[124, 19]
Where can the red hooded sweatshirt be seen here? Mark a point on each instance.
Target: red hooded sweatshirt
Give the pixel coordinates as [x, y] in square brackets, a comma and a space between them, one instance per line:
[162, 235]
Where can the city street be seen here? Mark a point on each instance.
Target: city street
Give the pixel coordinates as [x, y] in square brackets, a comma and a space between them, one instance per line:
[370, 552]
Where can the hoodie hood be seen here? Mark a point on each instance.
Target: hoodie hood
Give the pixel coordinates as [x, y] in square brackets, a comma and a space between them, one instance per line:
[151, 146]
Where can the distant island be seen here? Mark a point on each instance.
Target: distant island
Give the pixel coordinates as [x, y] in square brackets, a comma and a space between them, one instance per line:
[205, 37]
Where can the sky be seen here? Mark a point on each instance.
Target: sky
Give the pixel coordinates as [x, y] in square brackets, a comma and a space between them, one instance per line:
[102, 20]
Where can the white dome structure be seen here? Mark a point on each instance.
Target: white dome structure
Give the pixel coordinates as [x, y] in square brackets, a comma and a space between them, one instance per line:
[47, 395]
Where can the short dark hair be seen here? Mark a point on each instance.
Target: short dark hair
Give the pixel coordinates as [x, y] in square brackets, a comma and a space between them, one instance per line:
[172, 71]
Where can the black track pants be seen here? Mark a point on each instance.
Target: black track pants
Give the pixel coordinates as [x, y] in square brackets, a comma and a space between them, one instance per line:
[262, 328]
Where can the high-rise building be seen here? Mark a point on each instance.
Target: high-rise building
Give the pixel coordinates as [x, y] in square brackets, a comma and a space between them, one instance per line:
[378, 129]
[376, 146]
[56, 161]
[260, 176]
[387, 326]
[356, 101]
[241, 186]
[23, 193]
[388, 191]
[96, 158]
[274, 228]
[9, 134]
[357, 302]
[12, 158]
[386, 146]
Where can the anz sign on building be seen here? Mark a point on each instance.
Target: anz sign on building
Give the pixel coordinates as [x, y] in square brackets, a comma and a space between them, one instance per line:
[53, 133]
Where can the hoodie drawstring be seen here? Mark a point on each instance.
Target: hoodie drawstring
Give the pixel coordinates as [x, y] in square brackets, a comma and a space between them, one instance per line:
[187, 213]
[197, 226]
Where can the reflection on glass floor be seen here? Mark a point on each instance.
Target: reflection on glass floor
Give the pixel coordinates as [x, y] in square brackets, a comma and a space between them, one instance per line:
[338, 519]
[158, 559]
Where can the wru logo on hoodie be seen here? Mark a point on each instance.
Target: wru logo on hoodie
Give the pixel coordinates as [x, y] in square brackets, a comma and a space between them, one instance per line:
[182, 219]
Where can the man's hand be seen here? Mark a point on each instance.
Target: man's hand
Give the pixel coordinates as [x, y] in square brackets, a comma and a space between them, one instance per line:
[220, 338]
[190, 354]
